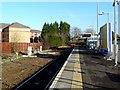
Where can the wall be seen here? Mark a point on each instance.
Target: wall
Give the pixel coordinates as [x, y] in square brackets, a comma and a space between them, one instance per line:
[5, 35]
[0, 48]
[21, 47]
[0, 40]
[21, 35]
[0, 35]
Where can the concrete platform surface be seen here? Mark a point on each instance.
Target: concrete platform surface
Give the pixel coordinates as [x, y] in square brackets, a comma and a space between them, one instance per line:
[87, 70]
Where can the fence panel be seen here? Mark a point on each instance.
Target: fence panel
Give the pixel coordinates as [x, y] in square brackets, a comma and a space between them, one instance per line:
[20, 47]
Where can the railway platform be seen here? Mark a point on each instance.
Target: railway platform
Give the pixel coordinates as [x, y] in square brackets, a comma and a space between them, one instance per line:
[87, 70]
[77, 69]
[70, 75]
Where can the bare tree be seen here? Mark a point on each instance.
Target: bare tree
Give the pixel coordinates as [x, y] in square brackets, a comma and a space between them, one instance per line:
[75, 31]
[90, 29]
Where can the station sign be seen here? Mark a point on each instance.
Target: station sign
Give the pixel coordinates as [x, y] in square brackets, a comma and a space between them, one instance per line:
[106, 38]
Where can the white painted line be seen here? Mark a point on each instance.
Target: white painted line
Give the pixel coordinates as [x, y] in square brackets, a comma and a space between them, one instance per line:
[60, 73]
[62, 69]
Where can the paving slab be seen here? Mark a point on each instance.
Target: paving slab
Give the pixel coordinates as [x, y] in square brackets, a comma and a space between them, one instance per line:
[70, 75]
[87, 70]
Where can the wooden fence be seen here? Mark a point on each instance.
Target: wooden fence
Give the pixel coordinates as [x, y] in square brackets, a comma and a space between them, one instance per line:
[19, 47]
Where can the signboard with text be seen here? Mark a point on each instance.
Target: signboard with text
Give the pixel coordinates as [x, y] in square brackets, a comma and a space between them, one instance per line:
[106, 38]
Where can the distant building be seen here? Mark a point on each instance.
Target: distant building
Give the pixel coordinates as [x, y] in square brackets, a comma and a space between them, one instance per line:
[20, 34]
[16, 32]
[35, 36]
[2, 26]
[88, 38]
[35, 33]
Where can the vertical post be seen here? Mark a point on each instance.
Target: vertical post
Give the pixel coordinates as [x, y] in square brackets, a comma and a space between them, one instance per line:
[97, 27]
[108, 17]
[115, 41]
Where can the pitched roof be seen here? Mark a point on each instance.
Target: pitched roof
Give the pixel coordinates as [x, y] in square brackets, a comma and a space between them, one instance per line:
[3, 25]
[18, 25]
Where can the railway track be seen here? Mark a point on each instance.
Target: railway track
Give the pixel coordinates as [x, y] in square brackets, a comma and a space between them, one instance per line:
[43, 78]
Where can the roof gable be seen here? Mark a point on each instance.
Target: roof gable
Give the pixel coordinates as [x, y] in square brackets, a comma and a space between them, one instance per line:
[3, 25]
[18, 25]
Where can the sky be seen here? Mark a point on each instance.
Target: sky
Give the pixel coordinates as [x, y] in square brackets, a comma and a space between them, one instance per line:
[77, 14]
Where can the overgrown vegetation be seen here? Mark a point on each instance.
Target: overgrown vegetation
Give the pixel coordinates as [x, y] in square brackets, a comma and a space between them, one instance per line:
[14, 47]
[55, 35]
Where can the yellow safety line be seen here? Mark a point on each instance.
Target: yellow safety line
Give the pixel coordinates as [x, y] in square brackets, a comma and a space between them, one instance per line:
[77, 76]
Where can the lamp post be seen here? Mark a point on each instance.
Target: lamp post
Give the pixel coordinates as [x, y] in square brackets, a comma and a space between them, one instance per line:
[102, 13]
[97, 27]
[115, 41]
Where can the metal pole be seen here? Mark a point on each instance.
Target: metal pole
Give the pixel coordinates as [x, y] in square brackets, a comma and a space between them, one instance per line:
[97, 17]
[97, 27]
[115, 41]
[108, 17]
